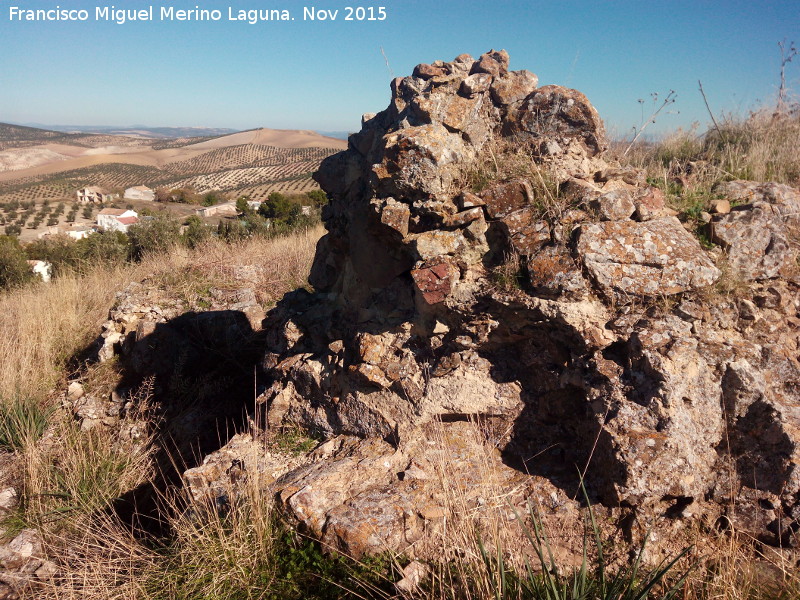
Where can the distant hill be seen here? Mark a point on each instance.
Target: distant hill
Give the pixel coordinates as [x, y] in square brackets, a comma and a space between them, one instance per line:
[38, 164]
[15, 136]
[141, 130]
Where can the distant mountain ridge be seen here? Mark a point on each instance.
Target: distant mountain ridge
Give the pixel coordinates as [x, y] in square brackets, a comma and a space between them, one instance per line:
[138, 130]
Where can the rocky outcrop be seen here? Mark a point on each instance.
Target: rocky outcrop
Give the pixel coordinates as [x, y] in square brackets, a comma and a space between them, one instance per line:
[756, 232]
[483, 262]
[486, 269]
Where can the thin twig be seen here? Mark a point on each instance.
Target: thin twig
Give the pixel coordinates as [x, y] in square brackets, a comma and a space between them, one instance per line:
[385, 58]
[711, 114]
[670, 99]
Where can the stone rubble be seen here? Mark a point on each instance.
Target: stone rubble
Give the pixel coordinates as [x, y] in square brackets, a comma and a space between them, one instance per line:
[606, 349]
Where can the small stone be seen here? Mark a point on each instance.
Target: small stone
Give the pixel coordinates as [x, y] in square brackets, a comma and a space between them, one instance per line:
[748, 310]
[434, 282]
[469, 200]
[616, 205]
[8, 499]
[413, 574]
[74, 391]
[651, 204]
[722, 207]
[476, 83]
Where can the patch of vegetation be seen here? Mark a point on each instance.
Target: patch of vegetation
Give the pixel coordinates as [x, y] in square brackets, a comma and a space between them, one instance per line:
[293, 441]
[510, 274]
[592, 579]
[14, 269]
[156, 235]
[23, 421]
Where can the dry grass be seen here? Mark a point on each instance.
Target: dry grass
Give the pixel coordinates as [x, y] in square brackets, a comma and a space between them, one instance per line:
[70, 476]
[271, 267]
[45, 325]
[764, 146]
[42, 326]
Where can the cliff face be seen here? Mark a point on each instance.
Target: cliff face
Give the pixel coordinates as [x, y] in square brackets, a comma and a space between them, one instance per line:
[484, 262]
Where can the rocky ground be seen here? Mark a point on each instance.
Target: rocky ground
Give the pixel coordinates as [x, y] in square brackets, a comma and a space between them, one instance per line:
[499, 312]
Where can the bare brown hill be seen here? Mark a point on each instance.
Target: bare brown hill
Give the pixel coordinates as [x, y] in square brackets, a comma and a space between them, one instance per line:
[50, 165]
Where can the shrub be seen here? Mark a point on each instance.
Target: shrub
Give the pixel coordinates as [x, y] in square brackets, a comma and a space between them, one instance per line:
[60, 251]
[152, 236]
[14, 270]
[196, 232]
[279, 207]
[104, 247]
[317, 197]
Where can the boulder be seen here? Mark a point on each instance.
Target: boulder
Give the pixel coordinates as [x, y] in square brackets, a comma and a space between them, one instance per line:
[657, 257]
[755, 239]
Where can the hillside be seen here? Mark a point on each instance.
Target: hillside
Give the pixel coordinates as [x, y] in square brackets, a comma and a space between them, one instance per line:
[516, 365]
[37, 164]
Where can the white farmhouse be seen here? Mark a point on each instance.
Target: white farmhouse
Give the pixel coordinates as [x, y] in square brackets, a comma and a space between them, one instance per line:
[116, 219]
[140, 192]
[79, 232]
[228, 208]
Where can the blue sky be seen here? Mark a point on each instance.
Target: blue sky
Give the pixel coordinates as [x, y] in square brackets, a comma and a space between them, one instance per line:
[324, 75]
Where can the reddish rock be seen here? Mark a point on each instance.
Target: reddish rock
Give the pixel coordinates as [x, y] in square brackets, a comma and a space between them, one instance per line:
[464, 218]
[503, 199]
[552, 271]
[494, 63]
[435, 282]
[650, 204]
[425, 71]
[526, 230]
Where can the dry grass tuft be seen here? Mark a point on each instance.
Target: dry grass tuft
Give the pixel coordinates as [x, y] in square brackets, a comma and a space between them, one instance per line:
[44, 325]
[765, 146]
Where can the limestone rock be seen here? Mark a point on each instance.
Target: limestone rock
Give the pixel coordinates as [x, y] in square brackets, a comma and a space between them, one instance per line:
[755, 239]
[616, 205]
[784, 198]
[644, 259]
[513, 87]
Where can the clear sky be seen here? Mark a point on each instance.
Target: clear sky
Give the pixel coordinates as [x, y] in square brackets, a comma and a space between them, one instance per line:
[324, 74]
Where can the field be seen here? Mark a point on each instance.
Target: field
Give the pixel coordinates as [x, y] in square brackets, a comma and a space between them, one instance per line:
[38, 165]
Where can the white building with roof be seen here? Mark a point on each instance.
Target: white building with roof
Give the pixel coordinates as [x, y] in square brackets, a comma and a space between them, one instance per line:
[116, 219]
